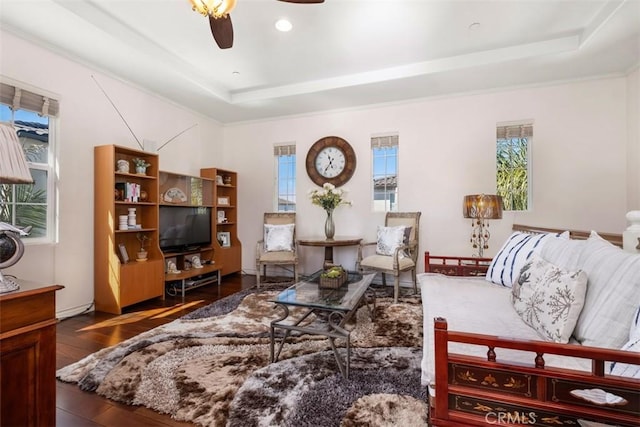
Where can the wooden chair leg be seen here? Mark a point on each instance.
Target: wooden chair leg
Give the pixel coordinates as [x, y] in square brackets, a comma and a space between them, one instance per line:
[258, 273]
[396, 289]
[415, 282]
[295, 273]
[384, 279]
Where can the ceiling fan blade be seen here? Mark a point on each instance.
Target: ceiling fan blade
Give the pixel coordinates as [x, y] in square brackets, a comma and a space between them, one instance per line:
[222, 31]
[303, 1]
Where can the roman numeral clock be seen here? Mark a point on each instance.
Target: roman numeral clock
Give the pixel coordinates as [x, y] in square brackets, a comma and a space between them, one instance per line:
[331, 159]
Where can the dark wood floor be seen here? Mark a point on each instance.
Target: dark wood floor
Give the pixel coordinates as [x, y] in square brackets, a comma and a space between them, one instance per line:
[84, 334]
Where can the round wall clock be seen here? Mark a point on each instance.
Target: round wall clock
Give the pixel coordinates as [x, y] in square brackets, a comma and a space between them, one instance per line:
[331, 159]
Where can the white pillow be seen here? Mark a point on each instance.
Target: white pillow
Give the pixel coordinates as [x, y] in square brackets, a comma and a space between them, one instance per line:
[563, 252]
[506, 265]
[278, 237]
[548, 298]
[613, 294]
[389, 238]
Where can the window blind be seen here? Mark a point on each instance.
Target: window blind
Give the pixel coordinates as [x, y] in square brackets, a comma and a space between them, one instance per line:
[284, 150]
[384, 141]
[18, 99]
[515, 131]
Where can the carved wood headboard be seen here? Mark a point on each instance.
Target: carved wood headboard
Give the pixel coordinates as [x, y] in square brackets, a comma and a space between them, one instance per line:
[615, 239]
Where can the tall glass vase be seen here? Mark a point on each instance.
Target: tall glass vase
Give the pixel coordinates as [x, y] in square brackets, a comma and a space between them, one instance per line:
[329, 228]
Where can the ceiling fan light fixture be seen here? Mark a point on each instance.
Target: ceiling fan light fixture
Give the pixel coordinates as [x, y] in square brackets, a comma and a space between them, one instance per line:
[214, 8]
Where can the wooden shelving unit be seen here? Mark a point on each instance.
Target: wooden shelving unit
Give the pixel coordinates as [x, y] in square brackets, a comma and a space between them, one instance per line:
[227, 246]
[118, 284]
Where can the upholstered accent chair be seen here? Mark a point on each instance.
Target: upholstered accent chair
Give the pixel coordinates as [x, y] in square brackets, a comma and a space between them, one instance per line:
[396, 250]
[278, 246]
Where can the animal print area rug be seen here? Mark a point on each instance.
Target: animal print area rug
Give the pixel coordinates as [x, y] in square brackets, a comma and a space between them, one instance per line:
[212, 368]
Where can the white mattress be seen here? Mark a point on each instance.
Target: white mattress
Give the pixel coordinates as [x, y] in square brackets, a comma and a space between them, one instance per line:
[472, 304]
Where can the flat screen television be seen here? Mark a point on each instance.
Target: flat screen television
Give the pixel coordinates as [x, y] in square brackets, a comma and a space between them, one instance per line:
[184, 227]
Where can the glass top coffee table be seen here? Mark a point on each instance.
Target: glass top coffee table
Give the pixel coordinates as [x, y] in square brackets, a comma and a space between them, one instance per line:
[332, 307]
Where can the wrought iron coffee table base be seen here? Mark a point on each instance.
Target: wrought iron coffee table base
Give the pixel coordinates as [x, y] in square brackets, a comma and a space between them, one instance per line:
[336, 320]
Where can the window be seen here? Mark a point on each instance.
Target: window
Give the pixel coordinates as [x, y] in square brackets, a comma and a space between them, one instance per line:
[285, 156]
[512, 162]
[32, 116]
[384, 152]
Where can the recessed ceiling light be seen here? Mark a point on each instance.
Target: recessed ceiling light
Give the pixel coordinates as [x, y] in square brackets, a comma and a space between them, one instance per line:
[474, 26]
[283, 25]
[236, 73]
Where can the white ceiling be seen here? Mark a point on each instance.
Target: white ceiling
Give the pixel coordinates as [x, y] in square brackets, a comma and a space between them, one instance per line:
[340, 54]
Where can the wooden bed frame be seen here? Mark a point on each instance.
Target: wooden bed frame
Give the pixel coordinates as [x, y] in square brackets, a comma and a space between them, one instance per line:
[475, 391]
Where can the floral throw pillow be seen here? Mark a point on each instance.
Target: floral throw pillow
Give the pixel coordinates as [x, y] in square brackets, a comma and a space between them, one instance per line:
[389, 238]
[278, 237]
[548, 298]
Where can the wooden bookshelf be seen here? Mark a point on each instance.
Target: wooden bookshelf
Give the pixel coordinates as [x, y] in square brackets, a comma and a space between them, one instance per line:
[227, 246]
[117, 283]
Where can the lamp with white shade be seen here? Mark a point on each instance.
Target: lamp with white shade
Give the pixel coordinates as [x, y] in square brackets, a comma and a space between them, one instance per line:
[13, 170]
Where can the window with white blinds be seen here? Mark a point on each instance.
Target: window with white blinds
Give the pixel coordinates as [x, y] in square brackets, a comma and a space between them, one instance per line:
[384, 156]
[513, 161]
[285, 177]
[34, 117]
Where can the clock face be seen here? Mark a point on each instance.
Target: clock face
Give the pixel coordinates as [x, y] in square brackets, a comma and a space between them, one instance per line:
[331, 160]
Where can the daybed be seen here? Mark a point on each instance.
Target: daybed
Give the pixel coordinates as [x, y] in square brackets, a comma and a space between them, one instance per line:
[486, 364]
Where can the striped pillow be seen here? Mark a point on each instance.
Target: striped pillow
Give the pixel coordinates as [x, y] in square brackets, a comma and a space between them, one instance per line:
[634, 331]
[627, 369]
[506, 265]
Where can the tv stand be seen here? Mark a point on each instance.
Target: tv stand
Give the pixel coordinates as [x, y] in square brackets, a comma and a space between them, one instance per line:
[189, 277]
[193, 278]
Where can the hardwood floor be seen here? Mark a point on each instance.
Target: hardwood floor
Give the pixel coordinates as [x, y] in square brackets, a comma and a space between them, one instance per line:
[84, 334]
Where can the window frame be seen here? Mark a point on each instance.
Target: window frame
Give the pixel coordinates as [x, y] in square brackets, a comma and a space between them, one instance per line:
[281, 151]
[30, 100]
[385, 141]
[519, 130]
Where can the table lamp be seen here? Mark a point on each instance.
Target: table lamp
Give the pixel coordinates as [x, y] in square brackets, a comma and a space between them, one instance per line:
[13, 170]
[480, 208]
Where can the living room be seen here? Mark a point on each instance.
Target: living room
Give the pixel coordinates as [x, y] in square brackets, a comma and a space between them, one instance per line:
[585, 159]
[585, 164]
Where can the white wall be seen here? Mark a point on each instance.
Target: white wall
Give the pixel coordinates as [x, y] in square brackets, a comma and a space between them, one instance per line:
[447, 150]
[87, 119]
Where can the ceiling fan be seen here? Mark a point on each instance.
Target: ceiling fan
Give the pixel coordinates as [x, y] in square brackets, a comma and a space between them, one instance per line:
[220, 21]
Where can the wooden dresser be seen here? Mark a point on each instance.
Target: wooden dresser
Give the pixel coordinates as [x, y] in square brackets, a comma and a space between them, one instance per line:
[28, 355]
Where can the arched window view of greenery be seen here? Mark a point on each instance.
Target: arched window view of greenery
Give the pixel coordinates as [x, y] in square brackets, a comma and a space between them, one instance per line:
[512, 176]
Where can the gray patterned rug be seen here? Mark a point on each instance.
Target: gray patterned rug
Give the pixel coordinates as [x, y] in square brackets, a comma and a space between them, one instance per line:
[212, 368]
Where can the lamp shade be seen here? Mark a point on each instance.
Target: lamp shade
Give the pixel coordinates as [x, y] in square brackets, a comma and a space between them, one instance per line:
[482, 206]
[13, 165]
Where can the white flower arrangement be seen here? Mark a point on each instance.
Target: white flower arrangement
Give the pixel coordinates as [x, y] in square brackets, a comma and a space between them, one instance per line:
[329, 197]
[141, 163]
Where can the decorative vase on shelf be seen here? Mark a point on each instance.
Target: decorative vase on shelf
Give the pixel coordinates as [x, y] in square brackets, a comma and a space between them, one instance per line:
[141, 255]
[329, 227]
[123, 166]
[141, 170]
